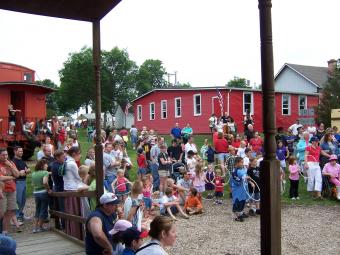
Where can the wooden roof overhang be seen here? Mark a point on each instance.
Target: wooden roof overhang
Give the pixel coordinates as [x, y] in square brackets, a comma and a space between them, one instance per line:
[94, 10]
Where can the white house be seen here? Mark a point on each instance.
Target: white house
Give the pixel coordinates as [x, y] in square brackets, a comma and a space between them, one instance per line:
[302, 78]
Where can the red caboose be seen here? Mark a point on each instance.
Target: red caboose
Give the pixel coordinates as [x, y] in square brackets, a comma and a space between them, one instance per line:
[18, 88]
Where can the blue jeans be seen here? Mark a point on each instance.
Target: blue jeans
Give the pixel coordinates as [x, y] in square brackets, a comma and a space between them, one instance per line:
[134, 140]
[108, 181]
[21, 197]
[155, 176]
[41, 205]
[7, 245]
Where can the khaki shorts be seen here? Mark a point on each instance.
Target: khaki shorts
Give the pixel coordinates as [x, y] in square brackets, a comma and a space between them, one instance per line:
[9, 202]
[163, 173]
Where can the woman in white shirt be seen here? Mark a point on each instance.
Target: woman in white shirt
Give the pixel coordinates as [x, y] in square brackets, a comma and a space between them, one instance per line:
[72, 182]
[162, 233]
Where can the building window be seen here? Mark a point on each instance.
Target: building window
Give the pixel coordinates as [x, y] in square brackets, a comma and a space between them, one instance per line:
[178, 107]
[139, 112]
[28, 77]
[152, 111]
[303, 102]
[197, 105]
[285, 104]
[248, 103]
[164, 109]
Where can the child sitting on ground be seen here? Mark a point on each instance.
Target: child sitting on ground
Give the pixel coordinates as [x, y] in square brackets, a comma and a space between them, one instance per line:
[239, 180]
[193, 205]
[119, 185]
[170, 205]
[219, 186]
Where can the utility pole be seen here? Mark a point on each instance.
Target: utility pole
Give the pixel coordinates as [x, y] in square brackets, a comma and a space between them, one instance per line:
[170, 74]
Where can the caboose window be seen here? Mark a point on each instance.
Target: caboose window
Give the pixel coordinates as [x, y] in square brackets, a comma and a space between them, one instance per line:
[248, 103]
[285, 104]
[152, 111]
[28, 77]
[197, 105]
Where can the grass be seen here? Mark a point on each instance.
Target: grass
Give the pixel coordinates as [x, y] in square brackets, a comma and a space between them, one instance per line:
[305, 197]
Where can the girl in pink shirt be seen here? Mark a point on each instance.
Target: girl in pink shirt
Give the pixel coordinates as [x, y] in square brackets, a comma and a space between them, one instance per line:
[294, 171]
[332, 169]
[199, 181]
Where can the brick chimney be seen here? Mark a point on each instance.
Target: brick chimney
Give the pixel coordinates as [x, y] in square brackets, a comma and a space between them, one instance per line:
[332, 65]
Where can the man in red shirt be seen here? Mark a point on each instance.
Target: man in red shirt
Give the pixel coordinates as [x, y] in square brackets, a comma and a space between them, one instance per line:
[8, 204]
[256, 143]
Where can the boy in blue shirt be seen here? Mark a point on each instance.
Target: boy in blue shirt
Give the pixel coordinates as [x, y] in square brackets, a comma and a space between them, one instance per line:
[239, 185]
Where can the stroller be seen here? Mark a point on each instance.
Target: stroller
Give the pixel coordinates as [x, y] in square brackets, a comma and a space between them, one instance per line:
[328, 188]
[177, 170]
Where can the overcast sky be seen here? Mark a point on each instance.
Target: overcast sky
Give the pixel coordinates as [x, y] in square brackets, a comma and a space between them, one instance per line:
[207, 44]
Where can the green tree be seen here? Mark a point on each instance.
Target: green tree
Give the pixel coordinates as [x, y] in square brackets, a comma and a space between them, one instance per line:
[150, 75]
[330, 98]
[183, 85]
[238, 83]
[77, 82]
[51, 98]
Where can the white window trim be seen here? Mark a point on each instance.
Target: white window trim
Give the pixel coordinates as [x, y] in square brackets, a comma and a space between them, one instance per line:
[164, 110]
[139, 118]
[306, 105]
[154, 110]
[180, 100]
[289, 104]
[194, 102]
[251, 105]
[212, 104]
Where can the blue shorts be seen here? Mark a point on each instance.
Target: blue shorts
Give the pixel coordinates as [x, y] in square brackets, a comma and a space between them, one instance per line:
[147, 202]
[173, 209]
[141, 171]
[222, 156]
[256, 196]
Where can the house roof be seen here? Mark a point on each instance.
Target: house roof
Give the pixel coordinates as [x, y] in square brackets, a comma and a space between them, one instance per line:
[85, 10]
[10, 83]
[11, 64]
[219, 88]
[317, 75]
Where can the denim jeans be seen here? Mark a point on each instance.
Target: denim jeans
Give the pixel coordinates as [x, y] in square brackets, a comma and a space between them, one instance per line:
[7, 245]
[155, 176]
[108, 181]
[21, 197]
[41, 205]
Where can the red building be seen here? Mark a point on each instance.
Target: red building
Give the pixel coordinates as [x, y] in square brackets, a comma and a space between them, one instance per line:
[18, 87]
[160, 109]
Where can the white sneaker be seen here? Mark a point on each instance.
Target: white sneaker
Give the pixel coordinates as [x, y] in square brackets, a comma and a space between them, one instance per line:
[297, 198]
[293, 198]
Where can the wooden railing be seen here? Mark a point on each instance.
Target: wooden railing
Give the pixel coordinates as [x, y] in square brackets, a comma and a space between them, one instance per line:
[59, 215]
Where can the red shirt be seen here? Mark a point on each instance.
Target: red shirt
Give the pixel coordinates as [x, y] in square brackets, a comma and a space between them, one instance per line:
[256, 144]
[313, 153]
[123, 132]
[221, 146]
[218, 184]
[141, 161]
[10, 186]
[236, 143]
[215, 137]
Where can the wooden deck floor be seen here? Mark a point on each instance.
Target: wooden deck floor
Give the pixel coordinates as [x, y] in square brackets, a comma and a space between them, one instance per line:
[47, 243]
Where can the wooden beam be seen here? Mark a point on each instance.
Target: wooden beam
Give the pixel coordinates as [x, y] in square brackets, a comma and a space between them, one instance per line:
[71, 238]
[67, 216]
[73, 194]
[270, 168]
[98, 109]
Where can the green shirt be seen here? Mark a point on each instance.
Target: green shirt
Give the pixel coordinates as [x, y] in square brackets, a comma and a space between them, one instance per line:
[37, 180]
[93, 201]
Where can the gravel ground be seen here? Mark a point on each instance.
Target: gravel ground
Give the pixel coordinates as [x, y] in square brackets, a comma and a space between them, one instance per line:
[305, 230]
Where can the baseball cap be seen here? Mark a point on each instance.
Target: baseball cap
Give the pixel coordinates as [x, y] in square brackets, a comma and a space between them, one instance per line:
[314, 139]
[109, 198]
[120, 226]
[333, 157]
[133, 233]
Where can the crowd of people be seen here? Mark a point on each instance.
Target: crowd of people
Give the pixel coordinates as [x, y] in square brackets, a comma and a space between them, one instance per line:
[171, 180]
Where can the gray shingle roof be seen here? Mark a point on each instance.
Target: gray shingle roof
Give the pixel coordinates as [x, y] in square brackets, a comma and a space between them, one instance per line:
[318, 75]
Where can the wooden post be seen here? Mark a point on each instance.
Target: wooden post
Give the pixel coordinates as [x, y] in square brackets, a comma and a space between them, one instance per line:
[98, 110]
[270, 168]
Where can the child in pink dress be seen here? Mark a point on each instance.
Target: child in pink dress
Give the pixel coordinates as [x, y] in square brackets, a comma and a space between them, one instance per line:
[199, 181]
[294, 171]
